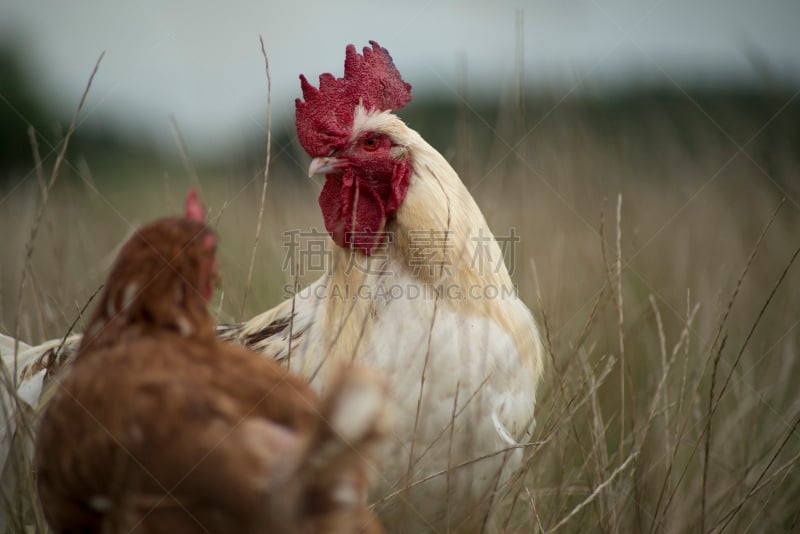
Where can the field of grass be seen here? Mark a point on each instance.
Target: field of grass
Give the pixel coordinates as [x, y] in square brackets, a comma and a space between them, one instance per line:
[657, 239]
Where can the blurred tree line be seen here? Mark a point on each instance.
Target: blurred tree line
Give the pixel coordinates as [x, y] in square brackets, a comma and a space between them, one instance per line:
[645, 116]
[24, 105]
[19, 107]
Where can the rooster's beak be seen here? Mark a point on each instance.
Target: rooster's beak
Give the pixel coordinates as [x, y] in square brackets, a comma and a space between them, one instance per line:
[324, 166]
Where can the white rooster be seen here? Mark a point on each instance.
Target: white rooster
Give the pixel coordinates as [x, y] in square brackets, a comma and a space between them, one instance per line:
[416, 286]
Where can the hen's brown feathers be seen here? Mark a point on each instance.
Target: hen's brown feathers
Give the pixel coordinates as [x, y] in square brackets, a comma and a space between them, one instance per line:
[162, 278]
[157, 417]
[161, 427]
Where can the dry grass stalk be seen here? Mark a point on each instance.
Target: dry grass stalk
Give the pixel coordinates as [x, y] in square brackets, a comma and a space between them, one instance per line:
[264, 184]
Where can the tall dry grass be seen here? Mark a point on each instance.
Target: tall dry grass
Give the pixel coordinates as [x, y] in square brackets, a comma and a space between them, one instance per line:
[657, 256]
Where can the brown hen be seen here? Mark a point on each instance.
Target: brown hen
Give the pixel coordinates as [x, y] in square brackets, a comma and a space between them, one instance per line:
[160, 427]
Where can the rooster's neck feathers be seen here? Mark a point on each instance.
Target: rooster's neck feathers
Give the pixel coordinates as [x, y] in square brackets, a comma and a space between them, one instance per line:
[437, 202]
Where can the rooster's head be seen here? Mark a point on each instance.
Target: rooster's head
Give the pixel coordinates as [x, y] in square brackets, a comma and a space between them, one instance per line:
[366, 169]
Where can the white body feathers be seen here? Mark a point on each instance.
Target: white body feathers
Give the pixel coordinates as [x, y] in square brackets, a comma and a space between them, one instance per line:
[461, 350]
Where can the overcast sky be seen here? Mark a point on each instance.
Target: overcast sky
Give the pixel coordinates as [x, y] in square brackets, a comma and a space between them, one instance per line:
[203, 65]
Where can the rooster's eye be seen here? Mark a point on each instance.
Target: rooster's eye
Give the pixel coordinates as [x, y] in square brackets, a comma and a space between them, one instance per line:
[371, 143]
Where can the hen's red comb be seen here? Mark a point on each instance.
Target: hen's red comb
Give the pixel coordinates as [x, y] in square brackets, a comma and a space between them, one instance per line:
[324, 119]
[194, 209]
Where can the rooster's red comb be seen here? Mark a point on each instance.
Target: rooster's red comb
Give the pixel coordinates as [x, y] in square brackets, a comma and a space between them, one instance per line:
[324, 119]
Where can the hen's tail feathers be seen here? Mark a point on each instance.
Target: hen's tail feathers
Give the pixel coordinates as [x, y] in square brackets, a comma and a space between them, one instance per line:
[356, 417]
